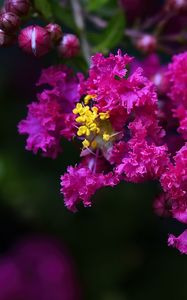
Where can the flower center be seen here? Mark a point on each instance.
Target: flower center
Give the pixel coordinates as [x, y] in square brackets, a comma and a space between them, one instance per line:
[93, 126]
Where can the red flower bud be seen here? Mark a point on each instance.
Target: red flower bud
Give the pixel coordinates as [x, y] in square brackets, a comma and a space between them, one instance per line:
[9, 22]
[6, 39]
[162, 206]
[176, 5]
[69, 46]
[18, 7]
[34, 40]
[55, 32]
[147, 43]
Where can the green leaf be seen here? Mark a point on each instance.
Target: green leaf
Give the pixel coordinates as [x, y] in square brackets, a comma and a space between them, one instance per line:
[112, 35]
[44, 7]
[95, 5]
[63, 14]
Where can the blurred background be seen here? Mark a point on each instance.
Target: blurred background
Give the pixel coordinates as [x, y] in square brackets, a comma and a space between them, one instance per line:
[117, 249]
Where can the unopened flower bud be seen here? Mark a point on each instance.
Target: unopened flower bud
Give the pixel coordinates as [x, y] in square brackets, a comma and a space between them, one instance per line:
[147, 43]
[18, 7]
[35, 40]
[6, 39]
[162, 206]
[9, 22]
[55, 32]
[161, 82]
[176, 5]
[69, 46]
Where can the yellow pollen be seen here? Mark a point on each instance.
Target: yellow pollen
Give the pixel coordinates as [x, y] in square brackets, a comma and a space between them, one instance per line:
[77, 108]
[88, 98]
[106, 137]
[93, 126]
[81, 110]
[95, 111]
[81, 130]
[104, 116]
[94, 144]
[86, 143]
[80, 119]
[87, 131]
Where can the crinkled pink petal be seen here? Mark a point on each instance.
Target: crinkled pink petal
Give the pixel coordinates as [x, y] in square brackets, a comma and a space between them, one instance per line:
[51, 117]
[179, 242]
[80, 183]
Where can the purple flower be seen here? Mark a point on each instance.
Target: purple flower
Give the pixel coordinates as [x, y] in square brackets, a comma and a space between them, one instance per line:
[116, 118]
[179, 242]
[82, 181]
[38, 268]
[47, 118]
[154, 70]
[178, 90]
[117, 122]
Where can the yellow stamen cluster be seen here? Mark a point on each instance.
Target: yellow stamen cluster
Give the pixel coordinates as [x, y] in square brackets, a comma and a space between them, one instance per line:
[90, 121]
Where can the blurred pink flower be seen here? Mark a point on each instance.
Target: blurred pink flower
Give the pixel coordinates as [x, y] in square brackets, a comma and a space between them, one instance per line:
[38, 268]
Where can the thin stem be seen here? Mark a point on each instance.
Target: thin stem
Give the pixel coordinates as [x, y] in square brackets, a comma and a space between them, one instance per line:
[152, 21]
[97, 21]
[180, 37]
[95, 164]
[133, 33]
[115, 134]
[79, 20]
[163, 23]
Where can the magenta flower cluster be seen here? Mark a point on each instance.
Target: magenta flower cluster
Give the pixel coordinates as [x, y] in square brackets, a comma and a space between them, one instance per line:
[38, 268]
[130, 125]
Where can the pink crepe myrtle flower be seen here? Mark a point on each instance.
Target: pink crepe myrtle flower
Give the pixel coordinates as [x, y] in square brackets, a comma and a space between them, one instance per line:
[113, 113]
[143, 161]
[38, 267]
[117, 123]
[177, 93]
[158, 74]
[174, 199]
[48, 117]
[115, 116]
[154, 70]
[174, 184]
[179, 242]
[178, 79]
[115, 88]
[81, 182]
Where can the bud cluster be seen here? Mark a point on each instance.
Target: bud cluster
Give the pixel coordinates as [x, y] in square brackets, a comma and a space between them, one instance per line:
[69, 46]
[162, 29]
[34, 39]
[39, 40]
[10, 19]
[147, 43]
[176, 5]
